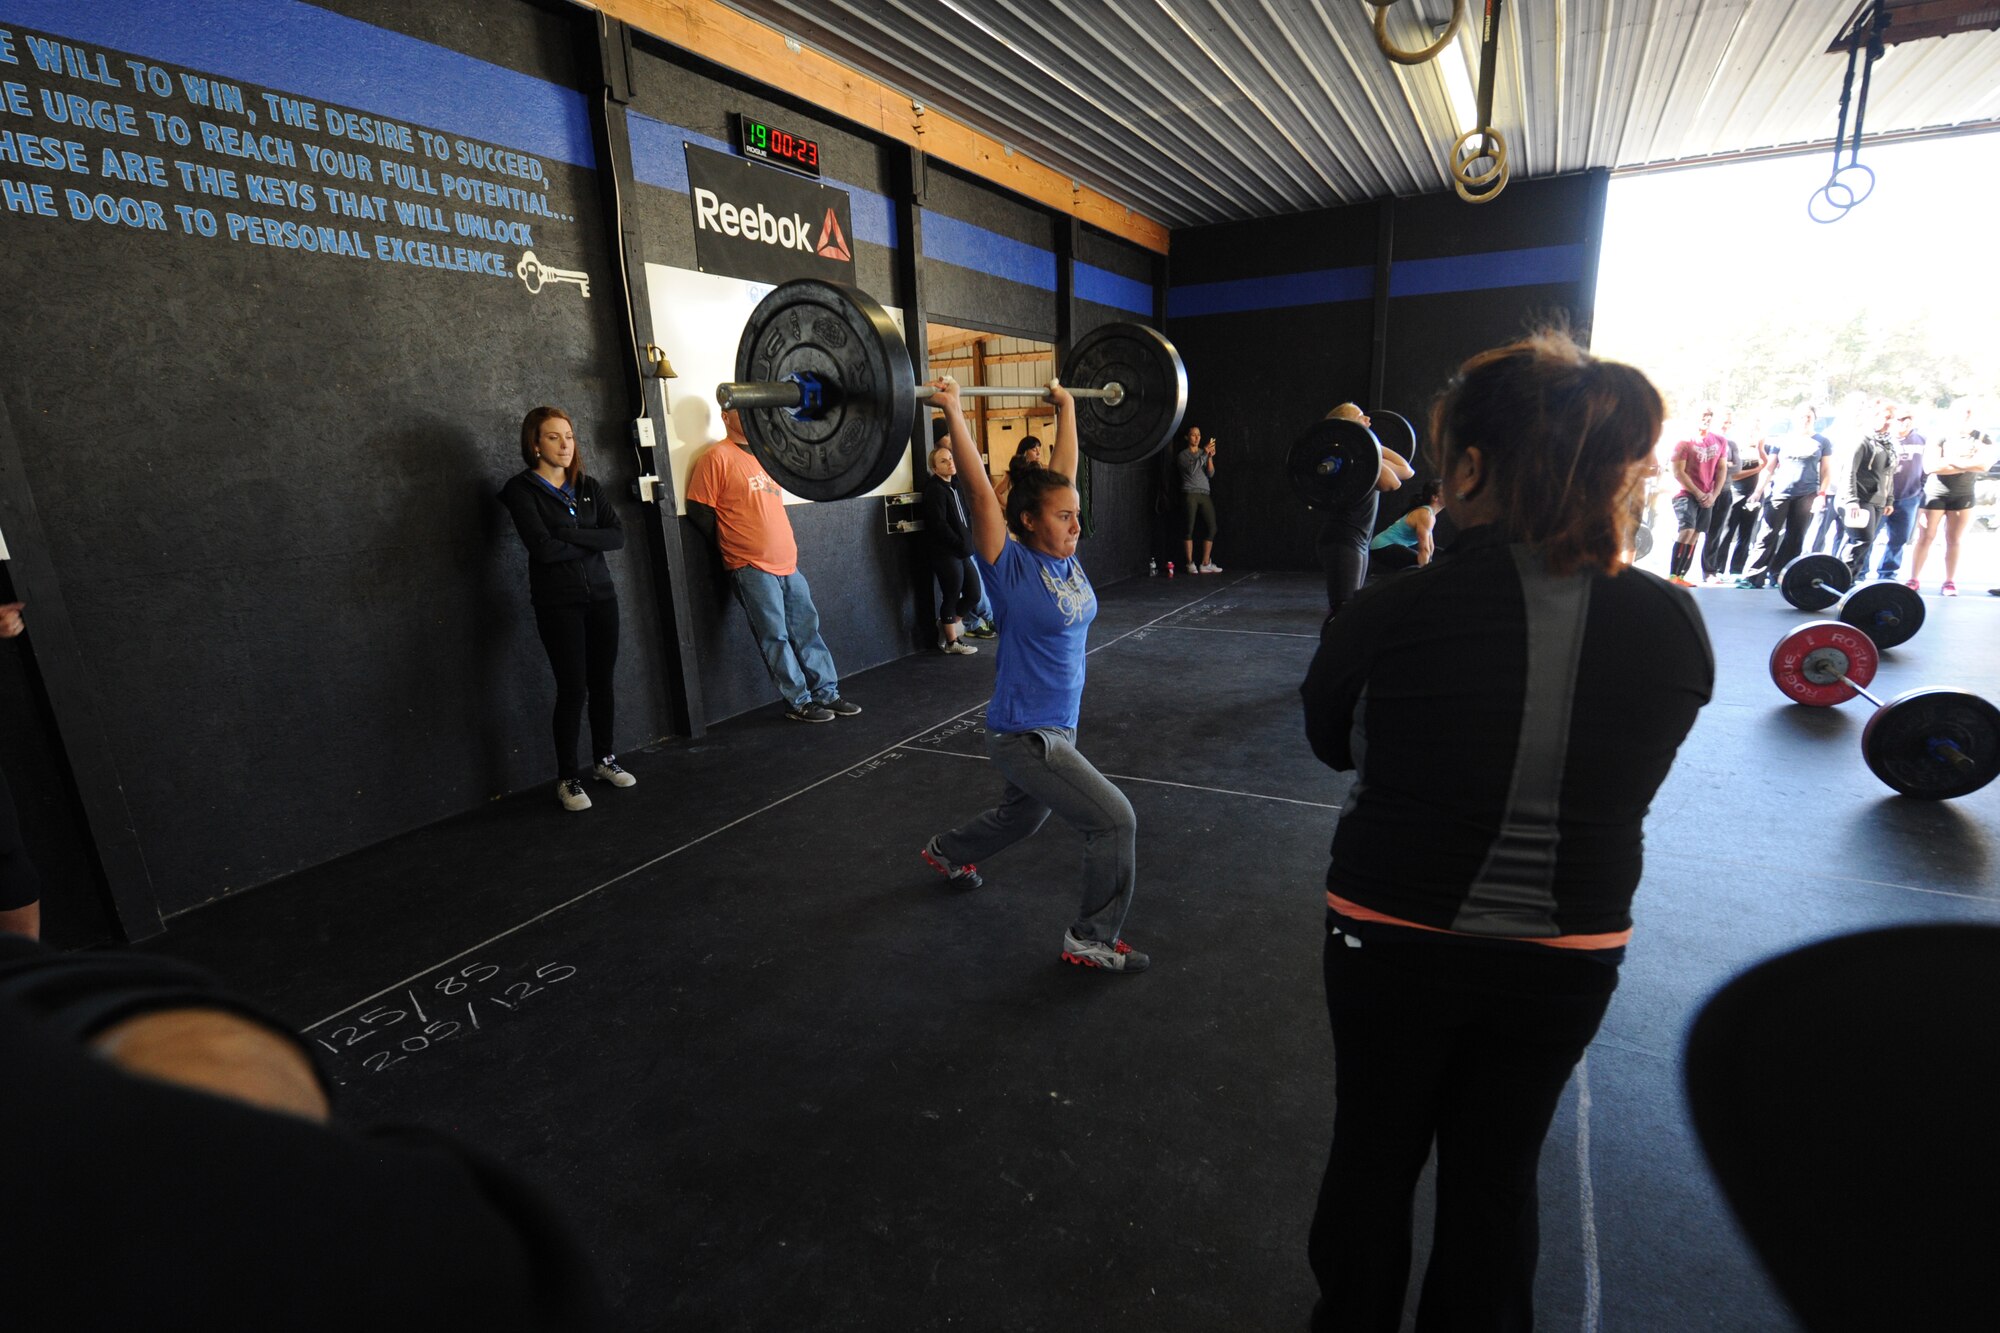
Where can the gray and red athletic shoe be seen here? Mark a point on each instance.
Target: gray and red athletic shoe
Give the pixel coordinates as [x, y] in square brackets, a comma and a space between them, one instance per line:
[1117, 956]
[966, 876]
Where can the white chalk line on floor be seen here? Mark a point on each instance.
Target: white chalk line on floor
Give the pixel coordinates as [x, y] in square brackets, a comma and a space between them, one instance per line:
[724, 828]
[1593, 1287]
[1127, 777]
[1265, 633]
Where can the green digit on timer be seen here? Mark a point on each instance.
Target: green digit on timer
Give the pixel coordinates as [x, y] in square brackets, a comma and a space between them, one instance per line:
[760, 135]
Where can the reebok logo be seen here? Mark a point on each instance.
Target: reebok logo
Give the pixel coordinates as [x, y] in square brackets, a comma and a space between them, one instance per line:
[833, 245]
[758, 224]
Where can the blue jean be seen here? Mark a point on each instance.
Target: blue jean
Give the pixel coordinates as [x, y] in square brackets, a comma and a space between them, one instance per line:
[1898, 526]
[1044, 772]
[785, 623]
[983, 611]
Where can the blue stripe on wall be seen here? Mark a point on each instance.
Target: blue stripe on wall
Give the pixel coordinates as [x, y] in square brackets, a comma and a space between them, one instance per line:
[1103, 287]
[658, 159]
[1324, 286]
[951, 241]
[1409, 277]
[1478, 273]
[308, 52]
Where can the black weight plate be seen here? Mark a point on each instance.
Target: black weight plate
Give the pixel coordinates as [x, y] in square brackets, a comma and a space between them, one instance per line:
[1335, 464]
[1796, 583]
[1642, 543]
[847, 339]
[1395, 433]
[1142, 362]
[1905, 743]
[1887, 612]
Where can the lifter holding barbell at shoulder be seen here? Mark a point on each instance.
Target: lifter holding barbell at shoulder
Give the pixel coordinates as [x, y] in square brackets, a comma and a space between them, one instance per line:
[1044, 604]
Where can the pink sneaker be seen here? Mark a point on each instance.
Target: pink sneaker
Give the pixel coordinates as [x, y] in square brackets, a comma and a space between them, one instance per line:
[1949, 589]
[1912, 585]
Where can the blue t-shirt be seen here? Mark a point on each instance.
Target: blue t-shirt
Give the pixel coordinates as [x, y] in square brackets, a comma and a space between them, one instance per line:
[1044, 607]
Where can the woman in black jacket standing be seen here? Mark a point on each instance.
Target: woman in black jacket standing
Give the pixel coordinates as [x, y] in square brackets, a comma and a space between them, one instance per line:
[567, 523]
[949, 538]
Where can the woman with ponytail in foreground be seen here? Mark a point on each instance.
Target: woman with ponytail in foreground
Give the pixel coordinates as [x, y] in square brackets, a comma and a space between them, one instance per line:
[1508, 713]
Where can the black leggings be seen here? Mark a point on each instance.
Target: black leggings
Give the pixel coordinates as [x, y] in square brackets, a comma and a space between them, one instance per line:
[958, 581]
[582, 641]
[19, 885]
[1343, 554]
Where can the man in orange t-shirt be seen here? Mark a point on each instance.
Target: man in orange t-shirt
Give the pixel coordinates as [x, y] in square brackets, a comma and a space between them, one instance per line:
[734, 502]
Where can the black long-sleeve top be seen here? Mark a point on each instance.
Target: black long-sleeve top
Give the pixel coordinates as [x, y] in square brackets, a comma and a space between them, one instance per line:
[133, 1203]
[1507, 730]
[945, 524]
[566, 543]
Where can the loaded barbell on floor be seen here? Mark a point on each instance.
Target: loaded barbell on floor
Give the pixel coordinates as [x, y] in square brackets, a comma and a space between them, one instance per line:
[1335, 463]
[1931, 744]
[829, 394]
[1887, 612]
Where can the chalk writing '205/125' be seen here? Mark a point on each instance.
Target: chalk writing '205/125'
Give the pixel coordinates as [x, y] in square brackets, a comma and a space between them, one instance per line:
[463, 987]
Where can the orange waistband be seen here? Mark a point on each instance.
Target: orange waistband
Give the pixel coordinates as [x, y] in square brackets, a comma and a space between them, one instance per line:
[1356, 912]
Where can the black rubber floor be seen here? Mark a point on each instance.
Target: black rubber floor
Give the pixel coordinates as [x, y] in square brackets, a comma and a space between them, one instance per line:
[781, 1078]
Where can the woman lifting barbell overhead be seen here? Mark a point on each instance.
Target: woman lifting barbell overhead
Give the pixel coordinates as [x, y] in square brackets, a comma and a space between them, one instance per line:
[1508, 717]
[1044, 604]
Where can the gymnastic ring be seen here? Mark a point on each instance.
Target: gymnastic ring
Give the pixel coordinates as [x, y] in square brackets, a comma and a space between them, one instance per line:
[1854, 166]
[1839, 210]
[1479, 189]
[1402, 57]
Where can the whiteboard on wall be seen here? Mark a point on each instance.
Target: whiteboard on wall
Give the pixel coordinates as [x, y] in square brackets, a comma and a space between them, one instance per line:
[697, 320]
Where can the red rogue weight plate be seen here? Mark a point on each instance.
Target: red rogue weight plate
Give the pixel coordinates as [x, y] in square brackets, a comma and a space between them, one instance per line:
[1807, 663]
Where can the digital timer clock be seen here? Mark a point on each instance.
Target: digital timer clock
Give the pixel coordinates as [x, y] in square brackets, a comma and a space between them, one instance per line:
[781, 148]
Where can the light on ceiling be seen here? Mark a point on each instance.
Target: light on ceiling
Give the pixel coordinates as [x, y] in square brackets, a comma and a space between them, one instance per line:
[1457, 75]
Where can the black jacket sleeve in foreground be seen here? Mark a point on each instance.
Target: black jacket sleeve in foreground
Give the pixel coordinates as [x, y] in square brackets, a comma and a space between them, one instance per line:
[132, 1203]
[1335, 680]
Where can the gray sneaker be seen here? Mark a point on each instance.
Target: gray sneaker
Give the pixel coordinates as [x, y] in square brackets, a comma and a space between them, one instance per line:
[1117, 956]
[810, 712]
[607, 770]
[570, 792]
[840, 707]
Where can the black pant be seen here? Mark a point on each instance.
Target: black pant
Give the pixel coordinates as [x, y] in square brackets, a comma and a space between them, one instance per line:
[1712, 536]
[958, 581]
[1470, 1046]
[582, 641]
[1343, 554]
[1827, 530]
[1739, 525]
[1785, 532]
[1855, 542]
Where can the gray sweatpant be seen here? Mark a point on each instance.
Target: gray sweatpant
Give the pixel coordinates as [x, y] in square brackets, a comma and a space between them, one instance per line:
[1045, 771]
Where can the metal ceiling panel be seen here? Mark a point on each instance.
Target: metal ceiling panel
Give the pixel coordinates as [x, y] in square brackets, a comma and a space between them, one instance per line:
[1197, 111]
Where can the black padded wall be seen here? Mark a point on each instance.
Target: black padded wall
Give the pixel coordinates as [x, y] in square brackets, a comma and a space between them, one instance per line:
[266, 458]
[1117, 282]
[1277, 320]
[989, 259]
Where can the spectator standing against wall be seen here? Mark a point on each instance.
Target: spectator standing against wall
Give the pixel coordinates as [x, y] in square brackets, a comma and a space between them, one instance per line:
[736, 504]
[1195, 464]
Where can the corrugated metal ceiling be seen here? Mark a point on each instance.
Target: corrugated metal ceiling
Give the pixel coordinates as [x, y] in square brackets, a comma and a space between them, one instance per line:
[1197, 111]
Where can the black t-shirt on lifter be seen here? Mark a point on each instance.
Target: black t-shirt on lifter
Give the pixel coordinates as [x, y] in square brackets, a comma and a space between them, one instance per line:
[1507, 730]
[128, 1203]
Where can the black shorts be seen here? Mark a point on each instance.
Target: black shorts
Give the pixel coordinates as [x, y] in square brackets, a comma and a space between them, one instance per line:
[1690, 513]
[1951, 504]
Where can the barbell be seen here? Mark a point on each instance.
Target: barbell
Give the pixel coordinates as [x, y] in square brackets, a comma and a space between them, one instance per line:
[1335, 463]
[829, 395]
[1888, 612]
[1931, 744]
